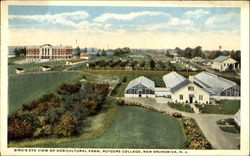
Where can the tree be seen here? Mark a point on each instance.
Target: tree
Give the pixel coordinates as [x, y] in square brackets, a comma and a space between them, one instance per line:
[118, 52]
[152, 64]
[85, 50]
[78, 51]
[214, 54]
[103, 53]
[98, 54]
[17, 52]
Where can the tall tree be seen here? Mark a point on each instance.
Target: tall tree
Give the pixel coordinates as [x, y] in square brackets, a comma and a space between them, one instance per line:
[85, 50]
[103, 52]
[152, 64]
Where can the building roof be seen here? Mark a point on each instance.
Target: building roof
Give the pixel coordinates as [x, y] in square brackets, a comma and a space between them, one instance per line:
[212, 83]
[46, 66]
[93, 52]
[54, 47]
[110, 53]
[19, 69]
[77, 60]
[84, 54]
[221, 58]
[142, 80]
[174, 81]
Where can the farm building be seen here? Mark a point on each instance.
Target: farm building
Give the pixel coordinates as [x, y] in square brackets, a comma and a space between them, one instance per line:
[93, 53]
[48, 52]
[182, 90]
[197, 60]
[110, 53]
[216, 86]
[19, 70]
[140, 87]
[223, 63]
[46, 68]
[85, 56]
[75, 61]
[203, 88]
[128, 67]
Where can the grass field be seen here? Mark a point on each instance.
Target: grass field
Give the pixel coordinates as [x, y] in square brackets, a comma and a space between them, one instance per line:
[229, 129]
[135, 127]
[223, 107]
[25, 88]
[36, 67]
[182, 107]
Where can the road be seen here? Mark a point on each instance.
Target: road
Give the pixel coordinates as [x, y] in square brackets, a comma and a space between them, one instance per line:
[207, 122]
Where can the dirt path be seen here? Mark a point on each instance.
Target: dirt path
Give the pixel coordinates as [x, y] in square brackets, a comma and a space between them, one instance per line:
[207, 122]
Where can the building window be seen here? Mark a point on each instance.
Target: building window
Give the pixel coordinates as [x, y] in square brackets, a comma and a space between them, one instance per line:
[181, 97]
[190, 88]
[200, 97]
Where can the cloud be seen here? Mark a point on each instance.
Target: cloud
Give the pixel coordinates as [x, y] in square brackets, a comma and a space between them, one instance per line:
[115, 40]
[60, 18]
[224, 19]
[129, 16]
[174, 24]
[196, 13]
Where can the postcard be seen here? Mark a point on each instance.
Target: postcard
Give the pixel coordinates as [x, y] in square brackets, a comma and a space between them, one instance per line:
[124, 78]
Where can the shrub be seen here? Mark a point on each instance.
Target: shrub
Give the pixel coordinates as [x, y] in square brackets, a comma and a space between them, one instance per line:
[53, 116]
[177, 115]
[25, 116]
[99, 89]
[43, 131]
[81, 109]
[124, 79]
[67, 125]
[19, 129]
[44, 104]
[121, 102]
[69, 88]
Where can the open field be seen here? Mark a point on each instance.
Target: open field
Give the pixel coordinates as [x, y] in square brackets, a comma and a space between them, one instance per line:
[25, 88]
[135, 127]
[182, 107]
[36, 67]
[223, 107]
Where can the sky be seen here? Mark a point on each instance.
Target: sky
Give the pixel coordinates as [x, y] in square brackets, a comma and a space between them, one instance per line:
[134, 27]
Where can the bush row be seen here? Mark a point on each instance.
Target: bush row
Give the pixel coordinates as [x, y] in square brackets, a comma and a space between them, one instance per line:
[61, 115]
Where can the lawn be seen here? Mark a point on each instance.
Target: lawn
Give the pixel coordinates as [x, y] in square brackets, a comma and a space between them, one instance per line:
[35, 67]
[229, 129]
[119, 90]
[223, 107]
[25, 88]
[135, 127]
[181, 107]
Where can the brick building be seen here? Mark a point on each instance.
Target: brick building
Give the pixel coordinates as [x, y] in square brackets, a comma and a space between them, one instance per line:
[48, 52]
